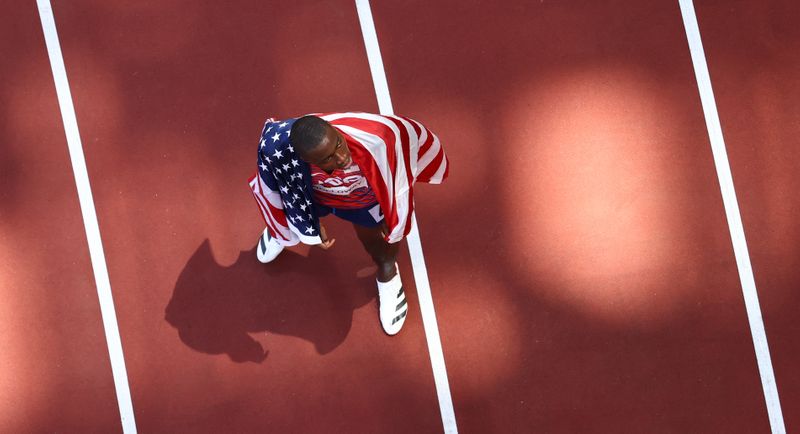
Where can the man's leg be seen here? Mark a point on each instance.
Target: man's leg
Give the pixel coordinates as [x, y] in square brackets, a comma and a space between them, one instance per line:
[383, 253]
[392, 306]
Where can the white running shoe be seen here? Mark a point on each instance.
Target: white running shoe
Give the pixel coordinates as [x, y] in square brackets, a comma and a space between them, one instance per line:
[268, 248]
[392, 306]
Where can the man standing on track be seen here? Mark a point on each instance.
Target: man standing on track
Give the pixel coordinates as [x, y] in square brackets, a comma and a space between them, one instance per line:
[357, 166]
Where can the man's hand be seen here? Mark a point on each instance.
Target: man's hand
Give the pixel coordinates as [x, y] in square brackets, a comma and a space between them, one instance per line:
[327, 243]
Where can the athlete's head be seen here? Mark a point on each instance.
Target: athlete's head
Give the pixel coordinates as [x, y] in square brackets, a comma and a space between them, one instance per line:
[318, 143]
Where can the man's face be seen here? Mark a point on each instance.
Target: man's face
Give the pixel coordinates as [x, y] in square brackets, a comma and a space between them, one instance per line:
[332, 152]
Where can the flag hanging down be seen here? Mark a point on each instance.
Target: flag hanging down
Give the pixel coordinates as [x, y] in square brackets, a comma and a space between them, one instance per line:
[282, 187]
[393, 153]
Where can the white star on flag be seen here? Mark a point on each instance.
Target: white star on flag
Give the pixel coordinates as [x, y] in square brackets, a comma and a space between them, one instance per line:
[263, 166]
[276, 137]
[283, 124]
[285, 189]
[277, 154]
[309, 230]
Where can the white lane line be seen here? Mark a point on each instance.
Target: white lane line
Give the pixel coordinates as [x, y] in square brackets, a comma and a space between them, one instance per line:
[414, 245]
[374, 57]
[89, 217]
[734, 218]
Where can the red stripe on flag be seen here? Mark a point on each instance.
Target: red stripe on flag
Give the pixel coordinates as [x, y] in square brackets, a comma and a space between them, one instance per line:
[264, 215]
[277, 214]
[415, 124]
[423, 148]
[433, 166]
[406, 143]
[268, 218]
[447, 168]
[272, 222]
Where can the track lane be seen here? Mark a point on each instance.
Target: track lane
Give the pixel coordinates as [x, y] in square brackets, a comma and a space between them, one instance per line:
[170, 100]
[580, 252]
[54, 361]
[752, 53]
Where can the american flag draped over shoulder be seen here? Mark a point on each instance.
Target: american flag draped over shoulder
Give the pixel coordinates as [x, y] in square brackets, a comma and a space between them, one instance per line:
[393, 153]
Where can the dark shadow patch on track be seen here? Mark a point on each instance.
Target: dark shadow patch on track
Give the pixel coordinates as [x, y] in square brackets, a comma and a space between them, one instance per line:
[215, 308]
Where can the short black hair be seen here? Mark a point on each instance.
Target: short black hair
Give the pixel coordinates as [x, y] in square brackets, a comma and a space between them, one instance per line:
[307, 133]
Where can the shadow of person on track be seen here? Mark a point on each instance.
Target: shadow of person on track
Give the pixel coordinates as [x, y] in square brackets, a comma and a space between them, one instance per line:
[215, 308]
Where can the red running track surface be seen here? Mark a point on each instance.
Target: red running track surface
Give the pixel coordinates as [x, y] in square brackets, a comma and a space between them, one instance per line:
[579, 256]
[54, 363]
[752, 49]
